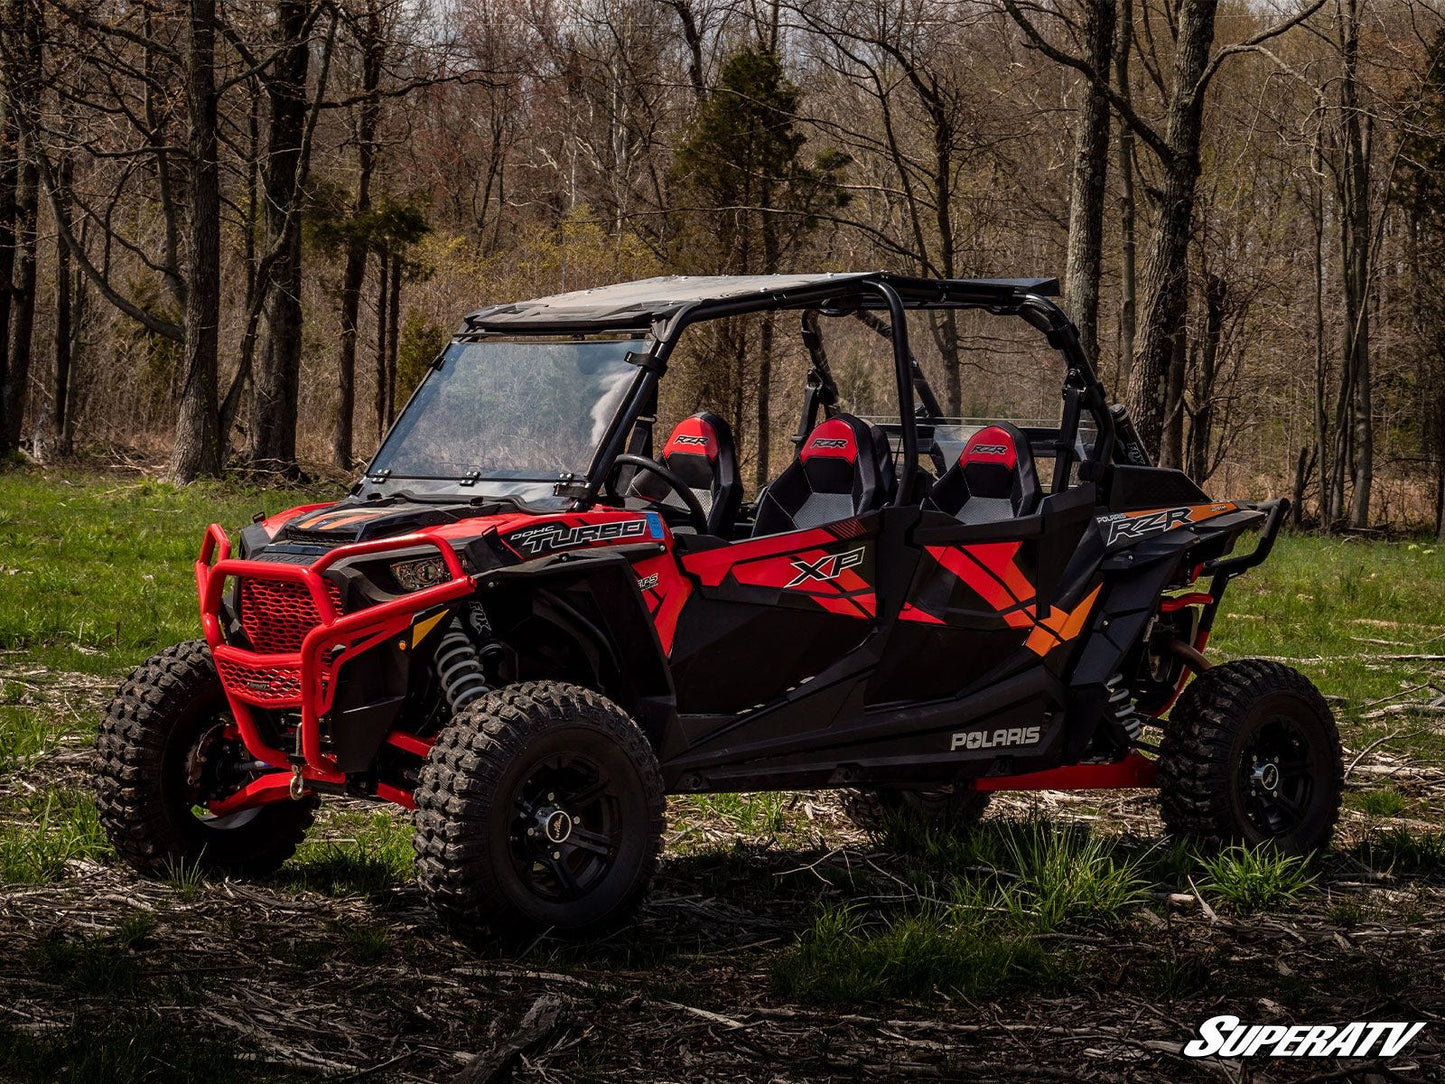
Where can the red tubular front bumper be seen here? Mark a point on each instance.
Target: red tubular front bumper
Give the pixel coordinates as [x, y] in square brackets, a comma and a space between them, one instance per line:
[304, 680]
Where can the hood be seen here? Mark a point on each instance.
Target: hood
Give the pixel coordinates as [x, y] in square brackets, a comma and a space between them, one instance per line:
[346, 522]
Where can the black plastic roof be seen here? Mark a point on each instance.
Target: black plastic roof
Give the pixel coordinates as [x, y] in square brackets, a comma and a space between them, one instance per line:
[641, 303]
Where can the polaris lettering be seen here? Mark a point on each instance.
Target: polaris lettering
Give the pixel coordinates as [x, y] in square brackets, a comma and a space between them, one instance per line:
[983, 739]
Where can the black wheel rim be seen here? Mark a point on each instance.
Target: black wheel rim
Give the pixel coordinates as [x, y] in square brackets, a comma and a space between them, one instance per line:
[1275, 779]
[564, 835]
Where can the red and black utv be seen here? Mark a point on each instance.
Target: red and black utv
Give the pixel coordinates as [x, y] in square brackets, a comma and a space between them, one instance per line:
[539, 612]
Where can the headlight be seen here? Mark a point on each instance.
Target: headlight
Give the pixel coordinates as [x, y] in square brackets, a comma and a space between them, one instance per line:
[420, 573]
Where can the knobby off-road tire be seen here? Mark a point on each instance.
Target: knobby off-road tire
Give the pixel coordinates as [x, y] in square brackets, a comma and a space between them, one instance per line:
[171, 704]
[539, 807]
[1251, 755]
[944, 808]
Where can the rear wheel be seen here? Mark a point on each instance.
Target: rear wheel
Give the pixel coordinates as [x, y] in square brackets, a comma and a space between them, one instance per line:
[1251, 755]
[540, 806]
[168, 746]
[945, 808]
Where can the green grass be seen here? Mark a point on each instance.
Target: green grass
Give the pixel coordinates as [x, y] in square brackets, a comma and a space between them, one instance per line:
[1251, 879]
[986, 899]
[1384, 802]
[749, 814]
[368, 853]
[24, 733]
[1403, 853]
[96, 570]
[1319, 601]
[50, 831]
[121, 1049]
[1068, 875]
[845, 957]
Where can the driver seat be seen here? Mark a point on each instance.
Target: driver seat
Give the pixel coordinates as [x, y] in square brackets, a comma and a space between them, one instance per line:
[994, 479]
[700, 452]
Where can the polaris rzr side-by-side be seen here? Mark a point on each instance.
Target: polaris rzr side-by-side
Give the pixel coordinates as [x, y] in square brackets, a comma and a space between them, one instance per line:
[534, 616]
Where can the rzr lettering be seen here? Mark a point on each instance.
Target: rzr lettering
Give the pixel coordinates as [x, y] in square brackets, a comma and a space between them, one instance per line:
[1166, 519]
[991, 449]
[696, 441]
[828, 567]
[831, 442]
[558, 536]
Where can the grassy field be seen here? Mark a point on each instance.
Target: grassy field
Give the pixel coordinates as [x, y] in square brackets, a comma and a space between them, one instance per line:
[777, 935]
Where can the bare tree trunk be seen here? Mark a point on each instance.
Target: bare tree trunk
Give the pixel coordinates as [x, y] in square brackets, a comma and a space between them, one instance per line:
[382, 280]
[1166, 275]
[1355, 224]
[53, 427]
[1128, 277]
[1322, 420]
[197, 449]
[945, 332]
[22, 314]
[1201, 428]
[274, 393]
[693, 39]
[771, 259]
[357, 247]
[1087, 190]
[9, 177]
[393, 330]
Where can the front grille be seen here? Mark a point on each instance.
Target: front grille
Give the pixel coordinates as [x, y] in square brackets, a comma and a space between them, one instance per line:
[270, 685]
[276, 615]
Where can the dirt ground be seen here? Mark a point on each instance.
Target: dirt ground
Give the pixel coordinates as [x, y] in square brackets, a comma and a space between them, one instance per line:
[360, 982]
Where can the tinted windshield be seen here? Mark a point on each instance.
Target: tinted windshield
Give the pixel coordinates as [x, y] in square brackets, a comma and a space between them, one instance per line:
[510, 410]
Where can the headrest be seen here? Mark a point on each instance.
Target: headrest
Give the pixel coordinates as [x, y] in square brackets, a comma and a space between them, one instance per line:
[693, 436]
[993, 445]
[836, 438]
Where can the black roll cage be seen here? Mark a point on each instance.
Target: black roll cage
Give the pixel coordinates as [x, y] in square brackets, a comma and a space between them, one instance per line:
[865, 297]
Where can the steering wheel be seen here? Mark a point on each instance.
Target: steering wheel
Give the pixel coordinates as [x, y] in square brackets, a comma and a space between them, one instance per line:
[674, 483]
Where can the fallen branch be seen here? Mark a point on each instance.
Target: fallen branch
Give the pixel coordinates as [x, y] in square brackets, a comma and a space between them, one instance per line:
[540, 1021]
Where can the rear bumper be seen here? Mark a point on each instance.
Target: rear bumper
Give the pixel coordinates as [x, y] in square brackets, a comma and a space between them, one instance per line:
[304, 681]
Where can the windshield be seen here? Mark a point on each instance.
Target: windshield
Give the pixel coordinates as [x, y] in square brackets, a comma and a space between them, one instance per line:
[525, 411]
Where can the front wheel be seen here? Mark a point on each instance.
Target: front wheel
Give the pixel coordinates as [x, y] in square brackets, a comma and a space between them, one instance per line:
[168, 747]
[1251, 755]
[539, 807]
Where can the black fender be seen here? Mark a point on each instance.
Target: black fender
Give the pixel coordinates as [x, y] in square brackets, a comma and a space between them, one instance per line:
[594, 602]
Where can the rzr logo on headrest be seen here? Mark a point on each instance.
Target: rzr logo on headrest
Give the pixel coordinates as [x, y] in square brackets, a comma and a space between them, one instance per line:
[558, 536]
[831, 442]
[690, 439]
[991, 449]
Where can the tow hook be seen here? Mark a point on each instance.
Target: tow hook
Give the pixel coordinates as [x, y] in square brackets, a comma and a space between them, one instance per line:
[298, 784]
